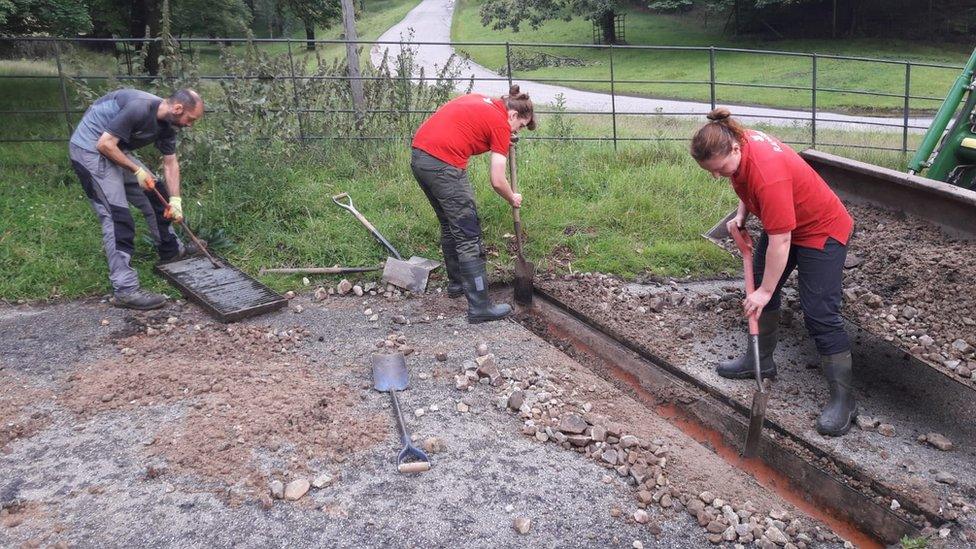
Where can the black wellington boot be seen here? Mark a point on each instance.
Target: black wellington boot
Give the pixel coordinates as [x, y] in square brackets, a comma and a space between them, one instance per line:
[742, 367]
[453, 268]
[837, 417]
[474, 278]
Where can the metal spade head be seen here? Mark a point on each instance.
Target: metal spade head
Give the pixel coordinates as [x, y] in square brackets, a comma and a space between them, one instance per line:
[390, 372]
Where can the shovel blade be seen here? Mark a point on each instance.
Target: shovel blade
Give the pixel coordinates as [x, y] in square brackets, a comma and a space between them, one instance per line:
[524, 277]
[390, 372]
[406, 274]
[756, 419]
[719, 232]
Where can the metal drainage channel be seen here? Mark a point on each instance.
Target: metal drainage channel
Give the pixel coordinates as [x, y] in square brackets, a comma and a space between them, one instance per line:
[786, 463]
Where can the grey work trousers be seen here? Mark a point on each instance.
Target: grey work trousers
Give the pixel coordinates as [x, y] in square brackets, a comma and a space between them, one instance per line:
[110, 189]
[452, 197]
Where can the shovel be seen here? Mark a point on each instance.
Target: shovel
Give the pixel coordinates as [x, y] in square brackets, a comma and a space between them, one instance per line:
[760, 397]
[390, 375]
[524, 271]
[410, 274]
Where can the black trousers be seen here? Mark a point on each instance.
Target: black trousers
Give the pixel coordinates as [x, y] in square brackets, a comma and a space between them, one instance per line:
[450, 194]
[820, 276]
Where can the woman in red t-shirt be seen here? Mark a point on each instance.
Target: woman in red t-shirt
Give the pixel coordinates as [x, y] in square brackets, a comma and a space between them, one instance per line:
[464, 127]
[805, 227]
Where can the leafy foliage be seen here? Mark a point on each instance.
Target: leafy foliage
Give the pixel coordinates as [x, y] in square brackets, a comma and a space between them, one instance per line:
[512, 13]
[52, 17]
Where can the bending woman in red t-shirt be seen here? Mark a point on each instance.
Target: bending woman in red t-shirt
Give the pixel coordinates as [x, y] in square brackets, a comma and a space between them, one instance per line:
[805, 227]
[463, 127]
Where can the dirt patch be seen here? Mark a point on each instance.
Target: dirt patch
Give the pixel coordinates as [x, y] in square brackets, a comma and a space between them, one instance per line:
[251, 399]
[20, 413]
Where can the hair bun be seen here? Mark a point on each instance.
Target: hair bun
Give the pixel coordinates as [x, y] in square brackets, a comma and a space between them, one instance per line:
[513, 90]
[720, 113]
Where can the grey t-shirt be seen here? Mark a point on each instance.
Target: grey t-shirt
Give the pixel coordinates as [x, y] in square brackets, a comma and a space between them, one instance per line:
[129, 115]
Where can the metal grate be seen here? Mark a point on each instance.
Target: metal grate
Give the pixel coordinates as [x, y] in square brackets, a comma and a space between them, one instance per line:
[228, 294]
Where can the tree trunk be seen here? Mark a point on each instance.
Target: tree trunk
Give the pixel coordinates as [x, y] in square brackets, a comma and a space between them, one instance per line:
[153, 15]
[278, 19]
[310, 35]
[352, 62]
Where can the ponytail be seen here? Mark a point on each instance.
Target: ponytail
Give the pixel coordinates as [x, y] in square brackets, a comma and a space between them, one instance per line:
[717, 136]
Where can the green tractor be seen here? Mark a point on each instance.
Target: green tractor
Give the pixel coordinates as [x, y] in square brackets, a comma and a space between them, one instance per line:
[954, 159]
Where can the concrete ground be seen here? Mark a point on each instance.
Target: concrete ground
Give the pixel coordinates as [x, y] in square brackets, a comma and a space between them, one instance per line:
[80, 470]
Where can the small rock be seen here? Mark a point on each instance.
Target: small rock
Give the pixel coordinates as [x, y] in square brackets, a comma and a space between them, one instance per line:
[419, 412]
[641, 516]
[945, 478]
[358, 290]
[321, 481]
[107, 397]
[522, 525]
[615, 511]
[961, 346]
[886, 429]
[343, 287]
[573, 424]
[320, 294]
[939, 441]
[481, 349]
[774, 535]
[707, 497]
[398, 319]
[516, 399]
[433, 445]
[895, 505]
[925, 340]
[685, 332]
[441, 356]
[866, 423]
[909, 312]
[463, 408]
[296, 489]
[628, 441]
[610, 456]
[637, 544]
[277, 489]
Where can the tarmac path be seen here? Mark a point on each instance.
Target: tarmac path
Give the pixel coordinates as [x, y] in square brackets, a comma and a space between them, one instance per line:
[430, 22]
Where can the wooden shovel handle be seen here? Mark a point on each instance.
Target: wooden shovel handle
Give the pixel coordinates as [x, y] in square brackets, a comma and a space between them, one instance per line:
[414, 467]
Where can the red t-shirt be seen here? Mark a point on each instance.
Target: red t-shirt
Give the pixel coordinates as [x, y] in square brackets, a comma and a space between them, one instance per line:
[787, 195]
[463, 127]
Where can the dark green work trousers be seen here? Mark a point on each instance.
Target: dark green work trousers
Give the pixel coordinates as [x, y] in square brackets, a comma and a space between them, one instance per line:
[450, 193]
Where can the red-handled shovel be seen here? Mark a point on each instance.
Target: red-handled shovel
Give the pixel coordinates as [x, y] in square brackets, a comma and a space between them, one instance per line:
[760, 397]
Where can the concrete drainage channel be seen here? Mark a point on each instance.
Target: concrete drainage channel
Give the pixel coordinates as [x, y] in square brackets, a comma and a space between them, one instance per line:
[803, 475]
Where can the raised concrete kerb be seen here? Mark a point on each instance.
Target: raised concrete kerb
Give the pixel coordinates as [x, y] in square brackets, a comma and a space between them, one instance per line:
[430, 21]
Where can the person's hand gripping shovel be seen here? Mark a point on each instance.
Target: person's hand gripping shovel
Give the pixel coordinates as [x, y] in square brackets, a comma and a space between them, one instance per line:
[761, 396]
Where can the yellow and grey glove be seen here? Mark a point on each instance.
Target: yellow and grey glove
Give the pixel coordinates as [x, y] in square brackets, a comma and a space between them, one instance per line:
[174, 210]
[146, 179]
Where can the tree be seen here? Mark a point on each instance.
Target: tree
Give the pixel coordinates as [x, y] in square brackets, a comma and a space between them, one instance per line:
[52, 17]
[312, 13]
[512, 13]
[211, 18]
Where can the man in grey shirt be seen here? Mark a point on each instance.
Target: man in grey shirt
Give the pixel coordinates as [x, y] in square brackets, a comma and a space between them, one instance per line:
[100, 152]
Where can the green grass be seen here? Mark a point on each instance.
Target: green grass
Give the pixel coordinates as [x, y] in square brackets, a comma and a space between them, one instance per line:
[643, 28]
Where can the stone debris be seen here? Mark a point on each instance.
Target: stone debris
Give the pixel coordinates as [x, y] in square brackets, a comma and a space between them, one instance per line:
[946, 478]
[866, 423]
[433, 445]
[481, 349]
[641, 516]
[296, 489]
[937, 440]
[522, 525]
[886, 429]
[277, 489]
[343, 287]
[321, 481]
[358, 290]
[572, 424]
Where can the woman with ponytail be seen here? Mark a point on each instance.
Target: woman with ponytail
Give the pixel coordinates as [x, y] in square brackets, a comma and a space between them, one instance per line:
[464, 127]
[805, 227]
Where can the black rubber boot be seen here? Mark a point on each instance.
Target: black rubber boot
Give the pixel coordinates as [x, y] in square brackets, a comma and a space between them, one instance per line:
[454, 286]
[474, 279]
[838, 416]
[742, 367]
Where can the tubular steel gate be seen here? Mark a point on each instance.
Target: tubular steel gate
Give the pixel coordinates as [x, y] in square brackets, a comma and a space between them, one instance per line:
[805, 117]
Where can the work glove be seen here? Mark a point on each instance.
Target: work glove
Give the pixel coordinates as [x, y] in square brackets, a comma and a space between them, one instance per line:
[146, 180]
[174, 210]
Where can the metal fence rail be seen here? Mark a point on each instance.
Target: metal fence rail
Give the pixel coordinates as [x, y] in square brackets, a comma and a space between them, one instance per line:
[125, 51]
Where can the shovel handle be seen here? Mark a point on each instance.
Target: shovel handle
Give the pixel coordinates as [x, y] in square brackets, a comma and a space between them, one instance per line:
[186, 228]
[362, 219]
[513, 181]
[414, 467]
[744, 242]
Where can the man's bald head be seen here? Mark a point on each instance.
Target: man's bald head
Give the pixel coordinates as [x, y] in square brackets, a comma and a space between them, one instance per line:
[185, 107]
